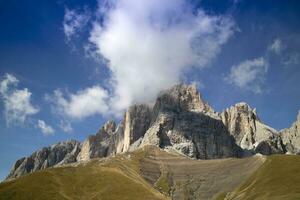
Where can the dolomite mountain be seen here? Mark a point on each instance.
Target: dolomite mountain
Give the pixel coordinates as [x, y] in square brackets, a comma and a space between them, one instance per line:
[180, 121]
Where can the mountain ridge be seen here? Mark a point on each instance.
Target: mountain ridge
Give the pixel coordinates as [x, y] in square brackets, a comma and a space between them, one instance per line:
[179, 121]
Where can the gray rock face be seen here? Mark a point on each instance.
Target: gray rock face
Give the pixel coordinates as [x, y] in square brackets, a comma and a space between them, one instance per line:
[249, 132]
[97, 146]
[182, 98]
[117, 140]
[111, 140]
[183, 122]
[57, 154]
[291, 137]
[136, 122]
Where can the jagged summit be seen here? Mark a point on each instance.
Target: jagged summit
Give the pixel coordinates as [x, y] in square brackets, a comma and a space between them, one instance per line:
[182, 97]
[57, 154]
[249, 131]
[179, 121]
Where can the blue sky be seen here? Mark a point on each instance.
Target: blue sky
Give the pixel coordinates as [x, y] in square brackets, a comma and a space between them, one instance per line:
[68, 66]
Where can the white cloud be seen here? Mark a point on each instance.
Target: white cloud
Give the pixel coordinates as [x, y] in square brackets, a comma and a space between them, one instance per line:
[74, 21]
[149, 45]
[84, 103]
[65, 126]
[276, 46]
[249, 74]
[7, 81]
[46, 129]
[17, 103]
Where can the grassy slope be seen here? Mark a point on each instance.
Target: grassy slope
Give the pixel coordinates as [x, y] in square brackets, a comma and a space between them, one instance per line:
[124, 177]
[277, 179]
[184, 178]
[94, 180]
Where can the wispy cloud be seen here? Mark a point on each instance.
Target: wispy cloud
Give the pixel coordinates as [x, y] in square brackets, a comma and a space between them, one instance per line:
[291, 59]
[46, 129]
[65, 126]
[277, 46]
[149, 45]
[74, 21]
[17, 103]
[249, 74]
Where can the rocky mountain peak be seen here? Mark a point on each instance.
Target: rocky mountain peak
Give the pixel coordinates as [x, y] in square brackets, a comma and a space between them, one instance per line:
[182, 97]
[244, 108]
[109, 127]
[182, 121]
[249, 132]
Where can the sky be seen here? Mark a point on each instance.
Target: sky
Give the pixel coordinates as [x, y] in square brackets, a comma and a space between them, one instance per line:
[67, 66]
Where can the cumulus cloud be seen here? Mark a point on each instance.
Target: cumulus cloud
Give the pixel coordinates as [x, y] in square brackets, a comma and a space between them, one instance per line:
[46, 129]
[17, 103]
[276, 46]
[249, 74]
[74, 21]
[149, 45]
[84, 103]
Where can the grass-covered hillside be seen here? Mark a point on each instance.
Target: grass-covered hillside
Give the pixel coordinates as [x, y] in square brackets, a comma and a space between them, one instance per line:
[152, 174]
[277, 179]
[98, 179]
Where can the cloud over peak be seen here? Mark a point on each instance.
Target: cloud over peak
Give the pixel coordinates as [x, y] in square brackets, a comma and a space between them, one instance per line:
[149, 45]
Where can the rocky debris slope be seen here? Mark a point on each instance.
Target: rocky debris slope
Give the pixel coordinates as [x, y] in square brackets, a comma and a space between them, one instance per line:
[249, 132]
[291, 137]
[180, 121]
[57, 154]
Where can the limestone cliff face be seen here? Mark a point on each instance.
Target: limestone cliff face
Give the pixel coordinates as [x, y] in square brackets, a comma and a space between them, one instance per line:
[249, 132]
[136, 122]
[112, 140]
[58, 154]
[291, 137]
[96, 146]
[183, 122]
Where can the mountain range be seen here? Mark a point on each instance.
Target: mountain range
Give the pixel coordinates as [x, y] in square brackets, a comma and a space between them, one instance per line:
[177, 148]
